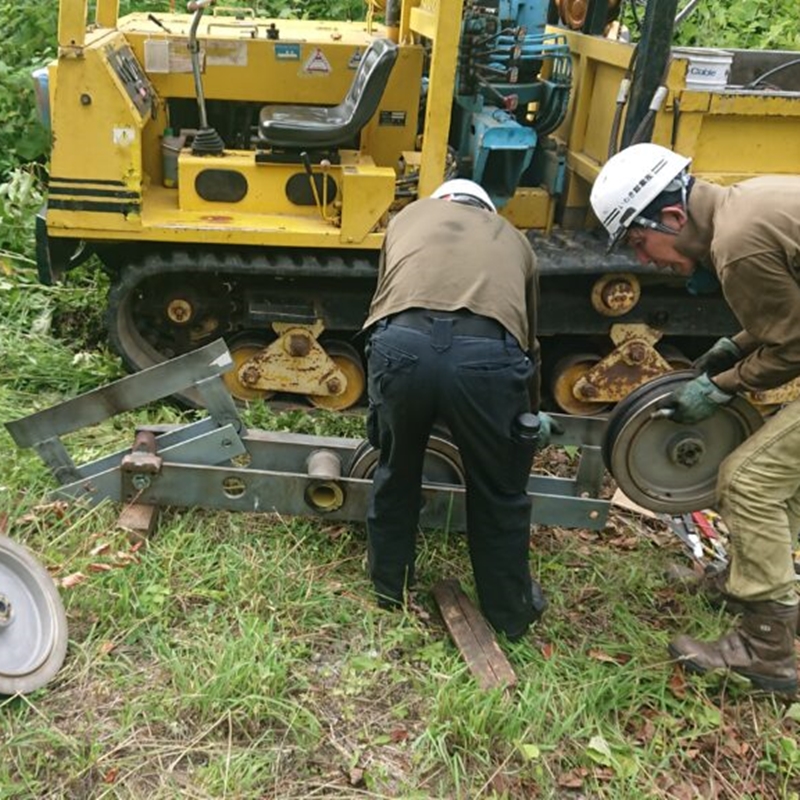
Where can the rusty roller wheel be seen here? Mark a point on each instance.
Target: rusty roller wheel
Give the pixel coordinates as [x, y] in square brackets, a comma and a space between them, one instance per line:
[33, 625]
[348, 360]
[573, 12]
[566, 373]
[442, 462]
[242, 350]
[667, 466]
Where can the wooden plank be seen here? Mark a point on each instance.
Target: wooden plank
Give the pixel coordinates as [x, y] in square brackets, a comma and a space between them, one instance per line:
[473, 636]
[139, 520]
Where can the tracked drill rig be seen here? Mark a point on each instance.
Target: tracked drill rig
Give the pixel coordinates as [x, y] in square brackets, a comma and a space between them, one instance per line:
[235, 175]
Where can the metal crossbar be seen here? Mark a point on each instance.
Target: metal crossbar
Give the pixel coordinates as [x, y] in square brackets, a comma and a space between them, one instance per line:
[215, 463]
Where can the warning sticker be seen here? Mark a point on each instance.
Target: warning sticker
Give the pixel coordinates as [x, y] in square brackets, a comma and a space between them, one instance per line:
[287, 52]
[317, 64]
[226, 53]
[123, 136]
[170, 55]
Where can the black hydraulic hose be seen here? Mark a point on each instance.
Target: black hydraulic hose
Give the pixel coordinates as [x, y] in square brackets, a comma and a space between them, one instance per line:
[622, 99]
[643, 129]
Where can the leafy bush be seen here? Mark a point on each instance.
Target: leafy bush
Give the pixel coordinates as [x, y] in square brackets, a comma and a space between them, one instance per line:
[20, 198]
[30, 31]
[743, 24]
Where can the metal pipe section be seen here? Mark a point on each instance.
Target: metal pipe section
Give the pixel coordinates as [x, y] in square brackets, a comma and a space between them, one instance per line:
[392, 17]
[194, 50]
[656, 41]
[323, 492]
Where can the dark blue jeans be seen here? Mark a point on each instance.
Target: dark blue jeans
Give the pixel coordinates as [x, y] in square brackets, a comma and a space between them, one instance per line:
[476, 387]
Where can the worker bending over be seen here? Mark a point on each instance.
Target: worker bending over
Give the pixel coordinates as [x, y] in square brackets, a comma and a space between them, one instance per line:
[749, 234]
[452, 339]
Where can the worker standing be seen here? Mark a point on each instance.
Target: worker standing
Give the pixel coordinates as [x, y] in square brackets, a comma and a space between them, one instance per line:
[749, 234]
[452, 339]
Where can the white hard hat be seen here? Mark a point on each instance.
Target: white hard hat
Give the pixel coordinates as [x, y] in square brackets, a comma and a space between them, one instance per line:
[630, 181]
[464, 188]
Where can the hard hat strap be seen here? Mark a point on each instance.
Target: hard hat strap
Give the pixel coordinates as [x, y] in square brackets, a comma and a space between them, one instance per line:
[469, 200]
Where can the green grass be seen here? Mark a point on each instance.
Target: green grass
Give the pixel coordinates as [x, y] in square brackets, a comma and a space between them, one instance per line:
[242, 655]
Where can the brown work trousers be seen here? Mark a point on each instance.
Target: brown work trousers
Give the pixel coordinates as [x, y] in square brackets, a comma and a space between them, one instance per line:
[758, 494]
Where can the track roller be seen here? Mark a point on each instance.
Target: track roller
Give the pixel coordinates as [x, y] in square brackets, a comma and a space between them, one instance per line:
[242, 350]
[566, 373]
[347, 359]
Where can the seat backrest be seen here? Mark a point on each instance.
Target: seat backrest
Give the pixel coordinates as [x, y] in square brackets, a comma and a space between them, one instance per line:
[366, 90]
[300, 127]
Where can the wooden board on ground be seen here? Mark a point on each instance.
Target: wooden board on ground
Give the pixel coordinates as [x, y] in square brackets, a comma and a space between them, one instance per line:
[621, 500]
[473, 636]
[139, 520]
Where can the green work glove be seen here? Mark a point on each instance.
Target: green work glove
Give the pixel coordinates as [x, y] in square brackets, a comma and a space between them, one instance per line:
[547, 427]
[723, 355]
[694, 401]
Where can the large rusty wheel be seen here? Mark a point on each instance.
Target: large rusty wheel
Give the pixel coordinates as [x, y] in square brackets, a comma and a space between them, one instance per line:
[348, 360]
[566, 373]
[242, 350]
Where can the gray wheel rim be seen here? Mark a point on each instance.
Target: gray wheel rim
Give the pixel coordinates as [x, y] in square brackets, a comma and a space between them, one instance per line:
[442, 464]
[670, 467]
[33, 624]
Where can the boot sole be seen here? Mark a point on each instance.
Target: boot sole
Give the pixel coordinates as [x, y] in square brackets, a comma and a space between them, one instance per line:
[786, 686]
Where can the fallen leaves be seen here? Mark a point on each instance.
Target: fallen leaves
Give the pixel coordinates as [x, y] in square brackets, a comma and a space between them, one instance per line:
[72, 580]
[114, 559]
[599, 655]
[56, 510]
[677, 683]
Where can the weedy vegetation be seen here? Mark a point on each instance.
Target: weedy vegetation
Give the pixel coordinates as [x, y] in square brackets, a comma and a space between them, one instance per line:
[242, 656]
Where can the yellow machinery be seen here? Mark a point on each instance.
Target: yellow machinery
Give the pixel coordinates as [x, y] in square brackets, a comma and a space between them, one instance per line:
[235, 175]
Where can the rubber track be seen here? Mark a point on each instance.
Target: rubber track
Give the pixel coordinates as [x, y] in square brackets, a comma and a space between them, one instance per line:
[343, 265]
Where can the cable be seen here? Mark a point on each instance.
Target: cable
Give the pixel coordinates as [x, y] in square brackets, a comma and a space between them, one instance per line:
[771, 72]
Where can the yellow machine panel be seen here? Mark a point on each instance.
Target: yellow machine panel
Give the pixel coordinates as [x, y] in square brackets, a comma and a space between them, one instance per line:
[236, 175]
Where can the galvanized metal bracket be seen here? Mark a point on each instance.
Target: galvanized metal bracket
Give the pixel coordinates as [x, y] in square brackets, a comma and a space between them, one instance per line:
[215, 463]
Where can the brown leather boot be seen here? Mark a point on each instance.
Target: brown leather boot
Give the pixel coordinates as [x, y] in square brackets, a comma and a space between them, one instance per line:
[710, 584]
[761, 648]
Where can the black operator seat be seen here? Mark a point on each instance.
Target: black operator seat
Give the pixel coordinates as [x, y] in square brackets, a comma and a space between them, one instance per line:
[314, 127]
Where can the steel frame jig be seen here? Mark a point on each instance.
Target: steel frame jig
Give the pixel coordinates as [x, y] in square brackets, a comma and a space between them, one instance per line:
[217, 463]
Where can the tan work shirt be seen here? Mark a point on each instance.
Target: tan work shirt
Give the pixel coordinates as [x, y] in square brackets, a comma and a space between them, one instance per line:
[442, 256]
[750, 234]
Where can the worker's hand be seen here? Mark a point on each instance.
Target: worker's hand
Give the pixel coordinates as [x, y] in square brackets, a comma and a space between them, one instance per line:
[722, 356]
[694, 401]
[547, 427]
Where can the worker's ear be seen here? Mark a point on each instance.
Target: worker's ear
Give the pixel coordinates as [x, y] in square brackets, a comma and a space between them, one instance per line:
[674, 217]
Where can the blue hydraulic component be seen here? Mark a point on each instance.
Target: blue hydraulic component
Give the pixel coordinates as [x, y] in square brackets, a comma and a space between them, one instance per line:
[502, 150]
[530, 15]
[512, 89]
[41, 86]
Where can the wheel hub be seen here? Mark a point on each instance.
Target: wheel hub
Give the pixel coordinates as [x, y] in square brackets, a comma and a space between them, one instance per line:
[668, 466]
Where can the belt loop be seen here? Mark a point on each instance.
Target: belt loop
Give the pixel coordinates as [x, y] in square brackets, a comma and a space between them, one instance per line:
[441, 334]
